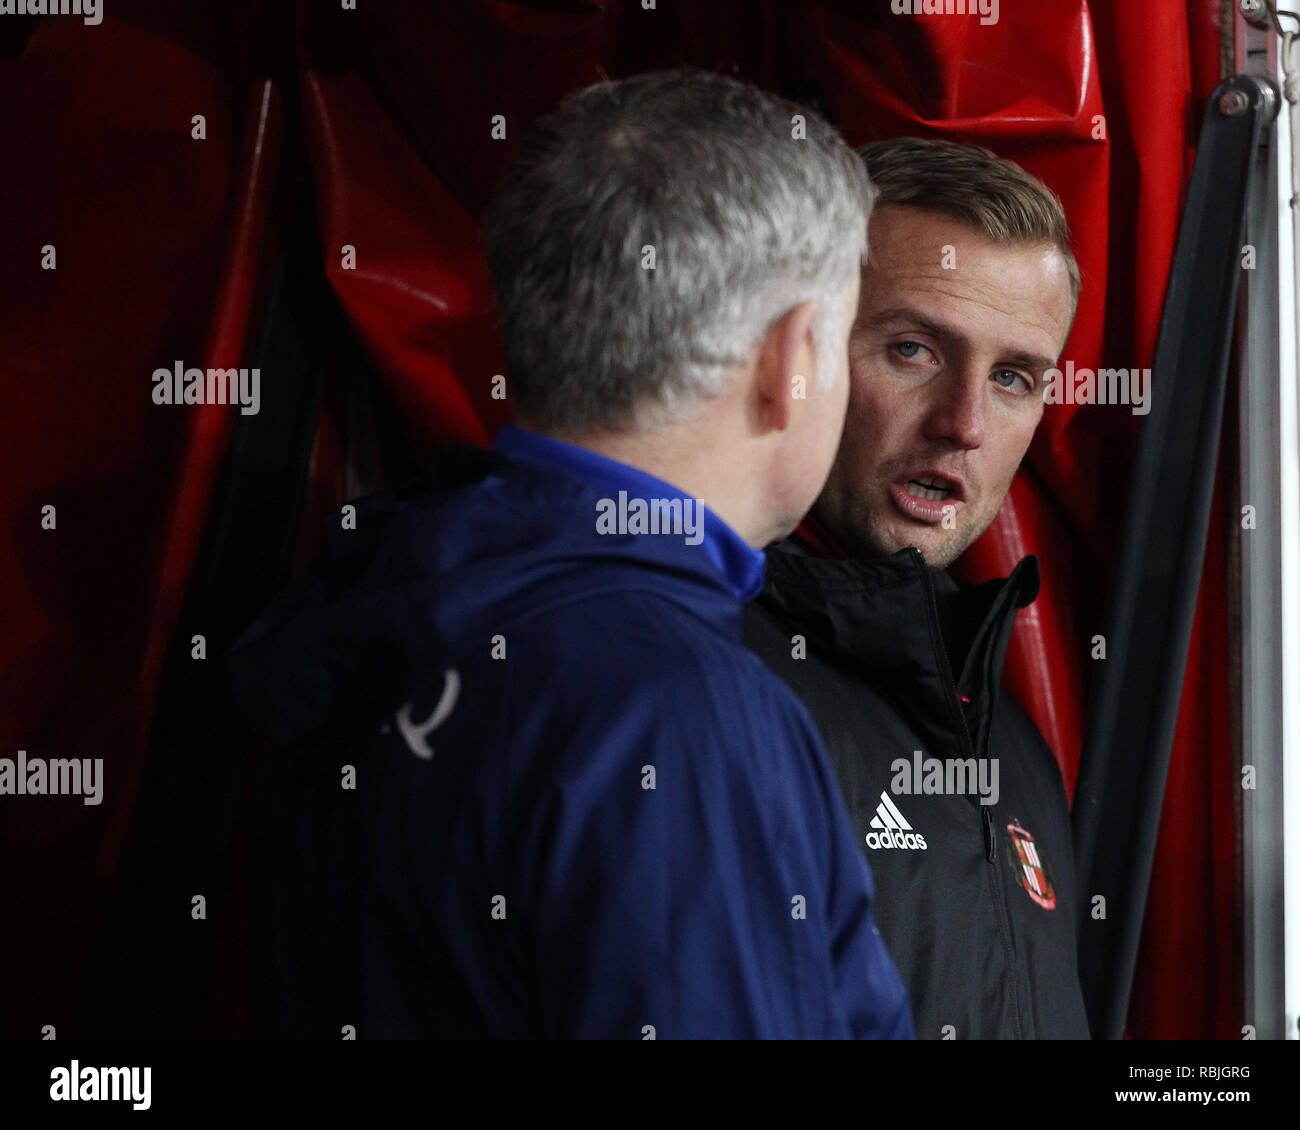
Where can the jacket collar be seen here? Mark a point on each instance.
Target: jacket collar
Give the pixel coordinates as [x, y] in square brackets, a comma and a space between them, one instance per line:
[879, 618]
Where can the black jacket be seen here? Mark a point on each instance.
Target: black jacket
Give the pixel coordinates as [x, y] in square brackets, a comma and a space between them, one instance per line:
[976, 902]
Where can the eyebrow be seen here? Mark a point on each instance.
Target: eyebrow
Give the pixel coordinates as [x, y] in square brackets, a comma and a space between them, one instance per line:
[948, 335]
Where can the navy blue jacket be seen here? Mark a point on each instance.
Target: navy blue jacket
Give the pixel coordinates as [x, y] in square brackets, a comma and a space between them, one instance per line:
[529, 783]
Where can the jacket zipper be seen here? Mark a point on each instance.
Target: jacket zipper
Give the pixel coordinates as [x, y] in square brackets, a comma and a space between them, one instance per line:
[1000, 908]
[945, 667]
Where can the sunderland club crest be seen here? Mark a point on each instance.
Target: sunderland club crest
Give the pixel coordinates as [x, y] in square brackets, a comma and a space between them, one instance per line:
[1029, 866]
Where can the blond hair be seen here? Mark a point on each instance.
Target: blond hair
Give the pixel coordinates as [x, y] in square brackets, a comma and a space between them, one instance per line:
[975, 187]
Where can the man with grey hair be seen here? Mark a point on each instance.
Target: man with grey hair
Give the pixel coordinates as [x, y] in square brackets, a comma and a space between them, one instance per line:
[584, 809]
[956, 798]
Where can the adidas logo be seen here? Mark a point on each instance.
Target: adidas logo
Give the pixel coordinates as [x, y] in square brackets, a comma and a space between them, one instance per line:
[894, 830]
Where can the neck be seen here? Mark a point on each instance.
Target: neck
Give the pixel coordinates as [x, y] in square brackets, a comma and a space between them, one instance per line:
[688, 458]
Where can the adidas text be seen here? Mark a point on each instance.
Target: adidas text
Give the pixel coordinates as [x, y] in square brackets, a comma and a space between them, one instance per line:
[892, 829]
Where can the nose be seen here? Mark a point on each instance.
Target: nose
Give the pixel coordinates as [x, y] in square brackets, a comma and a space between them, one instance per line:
[956, 410]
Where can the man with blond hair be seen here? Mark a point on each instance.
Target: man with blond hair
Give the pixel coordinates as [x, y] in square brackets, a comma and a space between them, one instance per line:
[958, 803]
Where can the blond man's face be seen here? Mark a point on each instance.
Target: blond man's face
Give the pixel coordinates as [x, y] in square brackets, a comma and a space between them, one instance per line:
[946, 363]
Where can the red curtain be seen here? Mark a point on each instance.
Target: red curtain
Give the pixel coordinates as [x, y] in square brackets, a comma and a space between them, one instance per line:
[156, 238]
[162, 241]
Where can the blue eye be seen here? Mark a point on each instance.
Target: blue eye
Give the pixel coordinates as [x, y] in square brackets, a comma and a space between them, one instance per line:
[1013, 376]
[904, 346]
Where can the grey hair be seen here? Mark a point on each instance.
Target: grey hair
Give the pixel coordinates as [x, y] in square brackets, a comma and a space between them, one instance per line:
[749, 204]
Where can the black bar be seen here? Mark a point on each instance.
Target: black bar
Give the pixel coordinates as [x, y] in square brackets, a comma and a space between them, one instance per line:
[1133, 709]
[342, 1083]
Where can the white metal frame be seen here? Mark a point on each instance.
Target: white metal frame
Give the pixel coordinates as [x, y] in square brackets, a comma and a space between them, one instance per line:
[1269, 471]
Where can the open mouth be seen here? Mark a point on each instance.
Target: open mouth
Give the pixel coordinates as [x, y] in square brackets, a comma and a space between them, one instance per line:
[924, 488]
[930, 497]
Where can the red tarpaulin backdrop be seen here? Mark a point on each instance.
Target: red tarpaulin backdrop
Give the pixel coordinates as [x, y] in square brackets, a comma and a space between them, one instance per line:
[162, 242]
